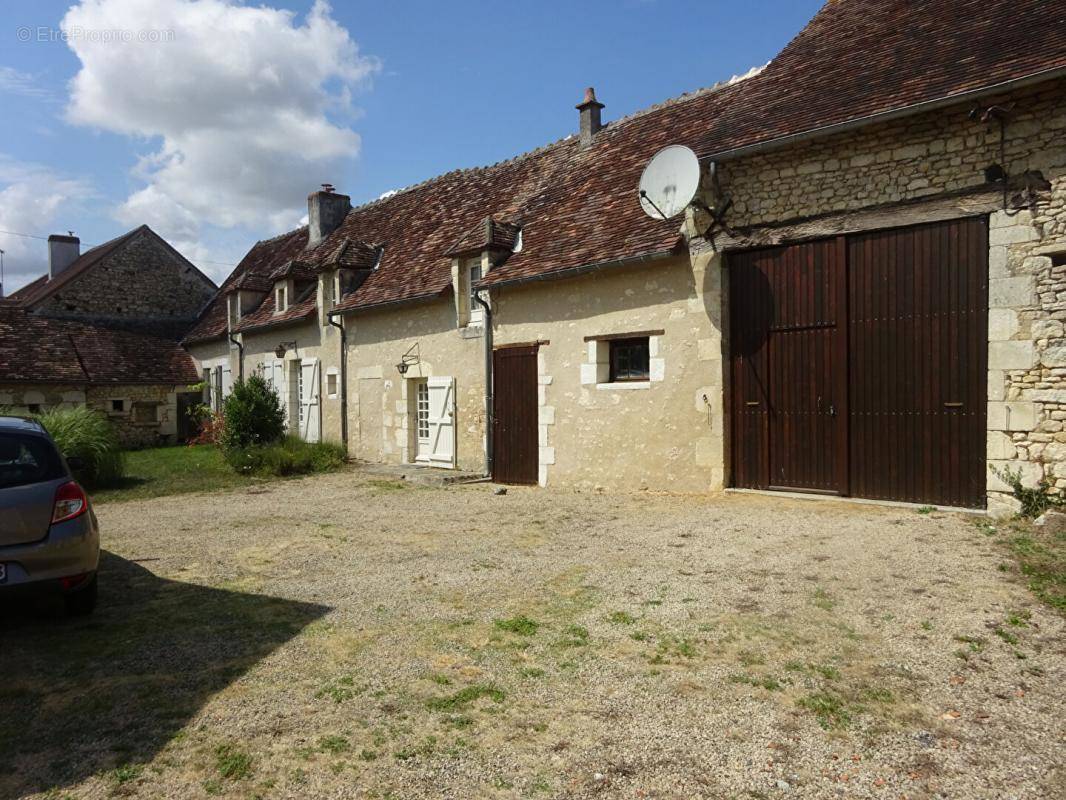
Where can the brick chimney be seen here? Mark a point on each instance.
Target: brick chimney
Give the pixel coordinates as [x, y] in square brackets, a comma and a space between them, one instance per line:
[590, 116]
[326, 211]
[62, 252]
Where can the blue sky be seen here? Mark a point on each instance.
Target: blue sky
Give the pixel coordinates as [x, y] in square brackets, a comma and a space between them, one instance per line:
[216, 135]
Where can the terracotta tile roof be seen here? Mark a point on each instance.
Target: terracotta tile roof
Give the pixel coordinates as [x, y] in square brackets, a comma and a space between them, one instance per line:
[28, 289]
[353, 254]
[488, 234]
[296, 269]
[305, 307]
[36, 349]
[858, 58]
[253, 270]
[577, 205]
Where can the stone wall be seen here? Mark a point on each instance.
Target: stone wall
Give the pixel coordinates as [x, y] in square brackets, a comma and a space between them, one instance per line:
[381, 412]
[895, 168]
[666, 434]
[142, 280]
[147, 416]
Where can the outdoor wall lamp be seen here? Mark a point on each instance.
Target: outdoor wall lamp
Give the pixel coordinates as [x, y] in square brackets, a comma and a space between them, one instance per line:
[409, 358]
[279, 351]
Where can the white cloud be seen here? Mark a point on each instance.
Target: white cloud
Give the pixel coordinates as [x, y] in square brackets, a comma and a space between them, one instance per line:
[34, 200]
[242, 101]
[12, 81]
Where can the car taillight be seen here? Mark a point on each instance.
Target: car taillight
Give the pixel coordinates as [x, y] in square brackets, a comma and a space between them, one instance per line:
[70, 502]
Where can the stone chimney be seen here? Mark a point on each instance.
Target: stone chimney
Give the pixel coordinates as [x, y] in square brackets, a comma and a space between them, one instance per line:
[590, 116]
[62, 252]
[326, 211]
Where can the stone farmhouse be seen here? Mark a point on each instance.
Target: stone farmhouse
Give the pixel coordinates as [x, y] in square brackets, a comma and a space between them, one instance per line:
[866, 299]
[103, 329]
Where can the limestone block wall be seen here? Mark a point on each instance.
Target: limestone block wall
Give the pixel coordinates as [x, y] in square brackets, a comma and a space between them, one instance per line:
[147, 417]
[895, 167]
[665, 434]
[142, 280]
[149, 414]
[381, 426]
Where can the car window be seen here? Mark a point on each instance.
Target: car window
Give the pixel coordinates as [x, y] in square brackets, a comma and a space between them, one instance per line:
[27, 459]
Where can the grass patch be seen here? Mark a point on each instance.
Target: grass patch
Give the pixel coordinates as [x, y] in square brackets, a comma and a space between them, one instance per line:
[520, 625]
[334, 744]
[822, 599]
[383, 485]
[621, 618]
[1041, 557]
[923, 510]
[574, 636]
[164, 471]
[231, 763]
[828, 708]
[466, 696]
[532, 672]
[767, 682]
[127, 773]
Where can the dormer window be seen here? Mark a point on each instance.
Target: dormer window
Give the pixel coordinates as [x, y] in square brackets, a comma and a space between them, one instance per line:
[473, 277]
[281, 297]
[337, 287]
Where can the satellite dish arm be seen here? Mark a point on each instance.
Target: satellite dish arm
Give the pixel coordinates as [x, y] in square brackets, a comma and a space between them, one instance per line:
[650, 202]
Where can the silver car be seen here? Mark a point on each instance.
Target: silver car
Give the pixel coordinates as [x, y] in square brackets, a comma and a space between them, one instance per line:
[49, 538]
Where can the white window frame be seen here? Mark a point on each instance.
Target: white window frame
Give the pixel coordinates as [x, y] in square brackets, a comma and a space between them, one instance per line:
[475, 314]
[280, 298]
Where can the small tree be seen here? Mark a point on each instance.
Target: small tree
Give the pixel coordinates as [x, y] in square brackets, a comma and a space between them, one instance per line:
[252, 415]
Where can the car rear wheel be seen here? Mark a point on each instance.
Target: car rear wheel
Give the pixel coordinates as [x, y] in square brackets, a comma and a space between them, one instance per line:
[82, 602]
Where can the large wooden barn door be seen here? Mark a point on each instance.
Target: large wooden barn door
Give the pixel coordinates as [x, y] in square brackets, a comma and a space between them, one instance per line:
[918, 300]
[789, 368]
[859, 365]
[514, 418]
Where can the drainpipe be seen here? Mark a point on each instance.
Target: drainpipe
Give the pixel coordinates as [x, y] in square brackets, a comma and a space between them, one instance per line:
[488, 383]
[344, 375]
[240, 356]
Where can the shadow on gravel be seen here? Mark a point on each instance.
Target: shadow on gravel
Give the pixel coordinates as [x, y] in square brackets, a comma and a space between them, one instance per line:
[82, 696]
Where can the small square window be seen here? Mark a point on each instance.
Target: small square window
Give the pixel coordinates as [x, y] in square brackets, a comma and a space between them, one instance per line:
[331, 384]
[118, 406]
[630, 359]
[279, 299]
[34, 408]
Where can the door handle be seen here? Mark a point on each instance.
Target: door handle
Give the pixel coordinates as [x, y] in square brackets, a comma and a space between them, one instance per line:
[952, 405]
[752, 403]
[832, 410]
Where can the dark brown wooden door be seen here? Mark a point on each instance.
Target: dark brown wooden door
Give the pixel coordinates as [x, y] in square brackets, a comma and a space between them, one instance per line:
[918, 300]
[514, 417]
[789, 378]
[859, 365]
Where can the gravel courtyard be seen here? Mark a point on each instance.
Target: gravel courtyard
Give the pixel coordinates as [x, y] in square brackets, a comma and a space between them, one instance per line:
[348, 636]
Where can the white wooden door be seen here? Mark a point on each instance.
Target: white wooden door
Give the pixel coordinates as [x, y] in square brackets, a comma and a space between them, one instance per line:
[274, 375]
[439, 423]
[310, 401]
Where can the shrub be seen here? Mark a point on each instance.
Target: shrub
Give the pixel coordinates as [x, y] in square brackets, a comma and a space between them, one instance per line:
[86, 434]
[252, 415]
[1034, 500]
[290, 456]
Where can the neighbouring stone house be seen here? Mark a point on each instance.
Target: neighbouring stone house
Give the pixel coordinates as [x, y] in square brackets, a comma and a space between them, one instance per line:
[866, 298]
[102, 329]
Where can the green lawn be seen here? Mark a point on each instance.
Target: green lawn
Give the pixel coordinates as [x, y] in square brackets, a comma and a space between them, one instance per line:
[173, 470]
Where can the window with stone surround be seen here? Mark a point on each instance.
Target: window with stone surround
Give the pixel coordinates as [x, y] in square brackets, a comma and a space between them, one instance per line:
[280, 298]
[623, 360]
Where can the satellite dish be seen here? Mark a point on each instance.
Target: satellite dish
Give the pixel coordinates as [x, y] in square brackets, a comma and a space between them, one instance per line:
[669, 182]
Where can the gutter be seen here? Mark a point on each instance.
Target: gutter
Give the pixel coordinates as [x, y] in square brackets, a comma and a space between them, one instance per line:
[489, 410]
[885, 116]
[240, 356]
[423, 298]
[344, 372]
[643, 258]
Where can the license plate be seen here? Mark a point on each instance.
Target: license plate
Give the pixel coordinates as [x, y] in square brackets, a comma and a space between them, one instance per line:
[3, 573]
